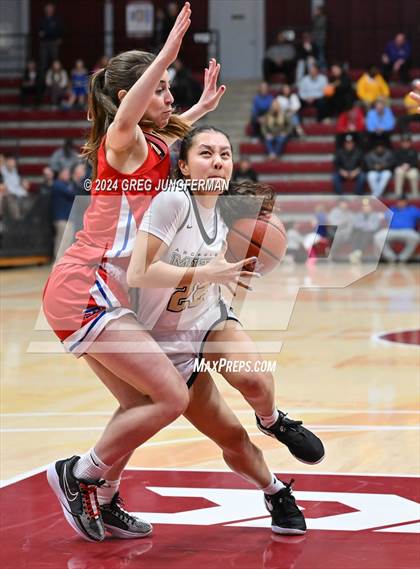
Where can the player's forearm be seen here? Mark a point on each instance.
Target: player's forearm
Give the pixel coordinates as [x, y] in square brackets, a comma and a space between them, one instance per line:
[195, 113]
[163, 275]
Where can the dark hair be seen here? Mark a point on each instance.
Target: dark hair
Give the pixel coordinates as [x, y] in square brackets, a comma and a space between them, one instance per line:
[256, 198]
[122, 72]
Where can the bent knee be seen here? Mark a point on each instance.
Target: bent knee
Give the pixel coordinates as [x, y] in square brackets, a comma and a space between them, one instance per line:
[254, 385]
[176, 402]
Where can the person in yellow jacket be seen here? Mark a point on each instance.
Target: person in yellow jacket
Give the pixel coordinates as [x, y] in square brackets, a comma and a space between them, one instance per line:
[412, 107]
[372, 86]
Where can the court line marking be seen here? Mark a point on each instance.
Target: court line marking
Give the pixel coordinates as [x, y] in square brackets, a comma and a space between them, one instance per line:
[377, 338]
[239, 411]
[19, 477]
[319, 428]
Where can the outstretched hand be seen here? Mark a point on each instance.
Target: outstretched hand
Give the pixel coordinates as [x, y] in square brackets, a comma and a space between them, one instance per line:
[173, 43]
[416, 97]
[211, 93]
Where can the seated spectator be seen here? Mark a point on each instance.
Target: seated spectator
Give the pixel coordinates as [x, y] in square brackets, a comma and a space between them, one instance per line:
[290, 105]
[32, 85]
[342, 219]
[82, 197]
[321, 219]
[47, 181]
[348, 164]
[15, 189]
[260, 105]
[280, 58]
[295, 244]
[64, 157]
[79, 86]
[380, 122]
[185, 89]
[351, 121]
[379, 164]
[404, 220]
[101, 63]
[62, 200]
[275, 128]
[396, 58]
[307, 55]
[57, 82]
[371, 86]
[311, 91]
[411, 107]
[244, 172]
[365, 224]
[406, 167]
[339, 94]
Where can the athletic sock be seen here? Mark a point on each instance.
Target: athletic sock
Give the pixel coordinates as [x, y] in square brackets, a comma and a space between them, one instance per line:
[275, 486]
[268, 420]
[90, 466]
[107, 491]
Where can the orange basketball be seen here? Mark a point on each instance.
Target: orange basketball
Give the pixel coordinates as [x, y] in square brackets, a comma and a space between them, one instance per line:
[264, 238]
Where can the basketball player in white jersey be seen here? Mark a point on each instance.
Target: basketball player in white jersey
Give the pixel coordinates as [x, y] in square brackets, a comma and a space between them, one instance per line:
[181, 240]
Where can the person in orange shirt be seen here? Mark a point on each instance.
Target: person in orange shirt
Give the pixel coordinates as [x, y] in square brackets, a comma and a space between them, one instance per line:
[371, 86]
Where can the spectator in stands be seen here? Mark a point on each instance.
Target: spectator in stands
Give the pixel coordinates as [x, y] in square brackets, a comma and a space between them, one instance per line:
[32, 85]
[365, 224]
[411, 107]
[82, 197]
[397, 58]
[276, 128]
[79, 86]
[62, 200]
[47, 181]
[406, 167]
[371, 86]
[64, 157]
[307, 55]
[15, 188]
[339, 93]
[403, 228]
[244, 172]
[101, 63]
[260, 105]
[319, 33]
[351, 121]
[50, 33]
[295, 244]
[280, 58]
[379, 164]
[311, 91]
[290, 105]
[184, 88]
[172, 11]
[159, 29]
[57, 81]
[341, 217]
[348, 165]
[321, 219]
[380, 123]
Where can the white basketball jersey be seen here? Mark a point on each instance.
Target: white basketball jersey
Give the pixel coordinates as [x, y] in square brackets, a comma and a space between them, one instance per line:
[194, 235]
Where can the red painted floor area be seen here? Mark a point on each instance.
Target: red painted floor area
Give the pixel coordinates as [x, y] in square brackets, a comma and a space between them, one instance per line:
[216, 520]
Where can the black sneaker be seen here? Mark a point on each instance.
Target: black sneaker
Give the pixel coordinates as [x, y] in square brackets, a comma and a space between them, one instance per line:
[286, 518]
[121, 523]
[302, 443]
[77, 498]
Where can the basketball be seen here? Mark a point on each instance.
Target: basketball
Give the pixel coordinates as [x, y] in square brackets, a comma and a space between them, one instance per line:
[264, 238]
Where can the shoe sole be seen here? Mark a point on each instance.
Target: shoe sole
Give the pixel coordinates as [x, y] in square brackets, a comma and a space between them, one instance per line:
[287, 531]
[124, 534]
[54, 483]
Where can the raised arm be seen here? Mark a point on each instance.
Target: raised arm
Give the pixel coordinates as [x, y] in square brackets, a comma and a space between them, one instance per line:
[124, 130]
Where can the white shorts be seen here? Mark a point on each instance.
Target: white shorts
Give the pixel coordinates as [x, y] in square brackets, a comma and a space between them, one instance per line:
[185, 347]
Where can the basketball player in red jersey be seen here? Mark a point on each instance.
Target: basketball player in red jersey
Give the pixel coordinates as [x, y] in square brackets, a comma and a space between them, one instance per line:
[86, 298]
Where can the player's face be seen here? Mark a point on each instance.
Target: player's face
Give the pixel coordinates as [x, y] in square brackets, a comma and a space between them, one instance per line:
[210, 156]
[160, 106]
